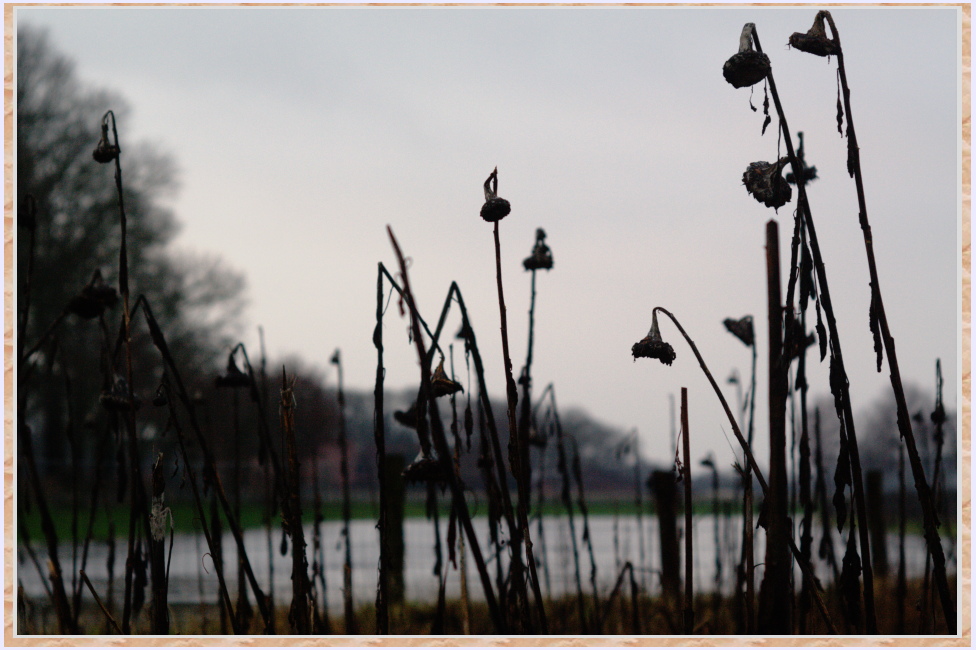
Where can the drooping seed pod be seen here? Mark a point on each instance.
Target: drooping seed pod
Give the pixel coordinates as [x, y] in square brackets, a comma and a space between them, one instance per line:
[495, 207]
[541, 257]
[765, 182]
[441, 384]
[234, 376]
[742, 329]
[815, 41]
[94, 299]
[746, 67]
[653, 346]
[105, 152]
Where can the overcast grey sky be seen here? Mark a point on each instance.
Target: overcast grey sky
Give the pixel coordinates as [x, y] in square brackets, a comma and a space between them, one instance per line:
[300, 133]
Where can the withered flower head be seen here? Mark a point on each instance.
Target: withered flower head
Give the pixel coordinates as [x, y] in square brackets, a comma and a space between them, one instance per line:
[742, 329]
[747, 66]
[104, 151]
[653, 346]
[426, 470]
[495, 207]
[234, 377]
[117, 397]
[815, 41]
[766, 183]
[407, 418]
[335, 360]
[541, 257]
[94, 298]
[441, 384]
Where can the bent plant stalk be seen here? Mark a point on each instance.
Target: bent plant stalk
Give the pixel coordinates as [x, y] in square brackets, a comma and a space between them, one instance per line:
[747, 451]
[441, 446]
[518, 453]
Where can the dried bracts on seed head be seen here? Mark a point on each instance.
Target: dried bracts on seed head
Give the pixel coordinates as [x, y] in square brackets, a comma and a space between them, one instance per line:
[495, 208]
[234, 377]
[742, 329]
[766, 183]
[746, 67]
[94, 298]
[441, 384]
[541, 257]
[653, 346]
[104, 151]
[815, 41]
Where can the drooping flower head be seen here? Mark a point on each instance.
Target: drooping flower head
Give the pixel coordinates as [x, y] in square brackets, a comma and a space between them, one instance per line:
[653, 346]
[815, 41]
[766, 183]
[441, 384]
[541, 257]
[105, 152]
[495, 207]
[742, 329]
[234, 377]
[746, 67]
[94, 298]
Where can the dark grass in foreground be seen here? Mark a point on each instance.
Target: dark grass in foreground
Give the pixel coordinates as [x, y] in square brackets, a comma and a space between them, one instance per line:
[36, 616]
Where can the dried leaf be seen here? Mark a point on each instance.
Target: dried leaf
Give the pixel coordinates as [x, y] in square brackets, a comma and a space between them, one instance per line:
[766, 111]
[821, 333]
[851, 153]
[807, 289]
[840, 109]
[874, 317]
[842, 478]
[849, 581]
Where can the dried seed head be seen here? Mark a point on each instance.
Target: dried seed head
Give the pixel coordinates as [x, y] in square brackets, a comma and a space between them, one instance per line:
[495, 208]
[541, 257]
[815, 41]
[747, 66]
[653, 346]
[742, 329]
[441, 384]
[104, 151]
[765, 182]
[94, 298]
[234, 377]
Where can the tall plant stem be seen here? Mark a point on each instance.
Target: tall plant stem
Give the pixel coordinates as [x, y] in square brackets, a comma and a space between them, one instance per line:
[837, 360]
[567, 500]
[298, 614]
[747, 451]
[379, 439]
[689, 616]
[776, 592]
[160, 621]
[443, 451]
[930, 519]
[212, 543]
[525, 414]
[346, 511]
[159, 341]
[517, 455]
